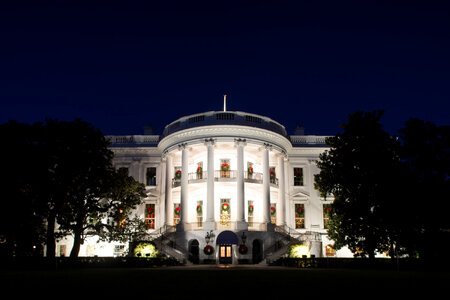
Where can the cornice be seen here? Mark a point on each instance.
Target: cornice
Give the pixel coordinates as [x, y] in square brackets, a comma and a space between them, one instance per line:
[224, 133]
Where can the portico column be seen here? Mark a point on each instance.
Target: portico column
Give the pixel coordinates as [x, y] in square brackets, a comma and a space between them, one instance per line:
[209, 224]
[169, 202]
[266, 187]
[240, 211]
[184, 188]
[281, 191]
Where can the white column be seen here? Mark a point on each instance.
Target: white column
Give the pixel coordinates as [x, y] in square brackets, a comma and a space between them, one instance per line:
[266, 187]
[281, 191]
[184, 188]
[240, 211]
[168, 200]
[209, 224]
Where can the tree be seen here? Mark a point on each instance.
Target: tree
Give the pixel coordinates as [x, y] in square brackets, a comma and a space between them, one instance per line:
[359, 171]
[21, 218]
[425, 154]
[82, 171]
[123, 195]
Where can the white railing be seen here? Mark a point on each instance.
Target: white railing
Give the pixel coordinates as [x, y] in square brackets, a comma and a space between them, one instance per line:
[133, 139]
[308, 139]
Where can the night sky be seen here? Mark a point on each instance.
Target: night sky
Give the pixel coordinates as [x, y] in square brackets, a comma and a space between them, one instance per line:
[122, 66]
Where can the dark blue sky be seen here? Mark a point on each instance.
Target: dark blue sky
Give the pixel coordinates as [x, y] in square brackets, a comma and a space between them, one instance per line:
[122, 66]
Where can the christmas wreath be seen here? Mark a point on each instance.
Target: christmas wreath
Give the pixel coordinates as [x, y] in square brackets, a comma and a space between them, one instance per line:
[150, 212]
[177, 210]
[243, 249]
[299, 210]
[272, 174]
[199, 170]
[150, 173]
[273, 210]
[225, 167]
[251, 208]
[208, 250]
[199, 209]
[225, 207]
[250, 171]
[298, 173]
[178, 174]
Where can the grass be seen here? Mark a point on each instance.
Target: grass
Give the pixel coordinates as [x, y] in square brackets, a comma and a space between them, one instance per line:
[222, 283]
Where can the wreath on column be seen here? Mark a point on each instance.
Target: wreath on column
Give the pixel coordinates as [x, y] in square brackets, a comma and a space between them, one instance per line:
[208, 250]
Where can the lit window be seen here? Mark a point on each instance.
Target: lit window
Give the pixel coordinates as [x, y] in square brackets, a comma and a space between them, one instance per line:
[299, 216]
[151, 176]
[298, 176]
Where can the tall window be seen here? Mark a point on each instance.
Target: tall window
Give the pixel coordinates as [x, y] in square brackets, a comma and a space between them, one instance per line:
[329, 251]
[176, 213]
[251, 208]
[225, 212]
[199, 170]
[298, 176]
[250, 170]
[299, 216]
[225, 168]
[151, 176]
[272, 175]
[199, 213]
[150, 216]
[273, 213]
[326, 215]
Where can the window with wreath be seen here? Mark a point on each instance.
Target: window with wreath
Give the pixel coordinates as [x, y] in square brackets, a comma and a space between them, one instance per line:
[199, 171]
[199, 210]
[326, 215]
[273, 213]
[298, 176]
[272, 175]
[150, 216]
[176, 213]
[225, 212]
[225, 168]
[299, 216]
[250, 215]
[150, 176]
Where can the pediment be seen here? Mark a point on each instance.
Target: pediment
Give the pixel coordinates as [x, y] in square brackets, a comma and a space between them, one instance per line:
[300, 195]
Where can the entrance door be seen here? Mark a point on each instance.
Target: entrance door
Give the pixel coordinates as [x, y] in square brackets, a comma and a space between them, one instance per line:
[225, 254]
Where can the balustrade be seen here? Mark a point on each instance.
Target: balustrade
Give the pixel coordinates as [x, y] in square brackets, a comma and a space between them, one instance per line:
[220, 175]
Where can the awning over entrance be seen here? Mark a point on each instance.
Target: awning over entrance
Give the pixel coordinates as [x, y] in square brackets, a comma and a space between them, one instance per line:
[227, 238]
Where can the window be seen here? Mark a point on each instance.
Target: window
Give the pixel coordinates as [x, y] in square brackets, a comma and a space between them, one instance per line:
[299, 216]
[199, 210]
[177, 173]
[176, 213]
[250, 170]
[150, 176]
[273, 175]
[225, 212]
[150, 216]
[273, 213]
[298, 176]
[225, 168]
[62, 250]
[251, 209]
[119, 250]
[329, 251]
[326, 215]
[199, 170]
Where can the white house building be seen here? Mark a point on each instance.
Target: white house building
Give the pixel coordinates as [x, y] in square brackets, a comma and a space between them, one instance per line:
[224, 186]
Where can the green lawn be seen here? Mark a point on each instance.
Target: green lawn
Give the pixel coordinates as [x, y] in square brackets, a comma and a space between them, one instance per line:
[222, 283]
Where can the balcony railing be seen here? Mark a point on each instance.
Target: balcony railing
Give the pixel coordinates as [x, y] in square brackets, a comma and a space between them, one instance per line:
[225, 176]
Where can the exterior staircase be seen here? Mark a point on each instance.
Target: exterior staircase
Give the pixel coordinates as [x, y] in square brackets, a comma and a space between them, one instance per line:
[164, 240]
[286, 237]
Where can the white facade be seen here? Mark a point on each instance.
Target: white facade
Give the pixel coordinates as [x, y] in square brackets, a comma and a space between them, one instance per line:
[266, 209]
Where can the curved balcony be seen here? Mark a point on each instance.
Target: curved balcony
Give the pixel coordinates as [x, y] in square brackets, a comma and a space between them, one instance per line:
[224, 176]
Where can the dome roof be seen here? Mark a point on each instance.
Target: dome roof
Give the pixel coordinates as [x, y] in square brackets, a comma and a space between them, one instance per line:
[224, 118]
